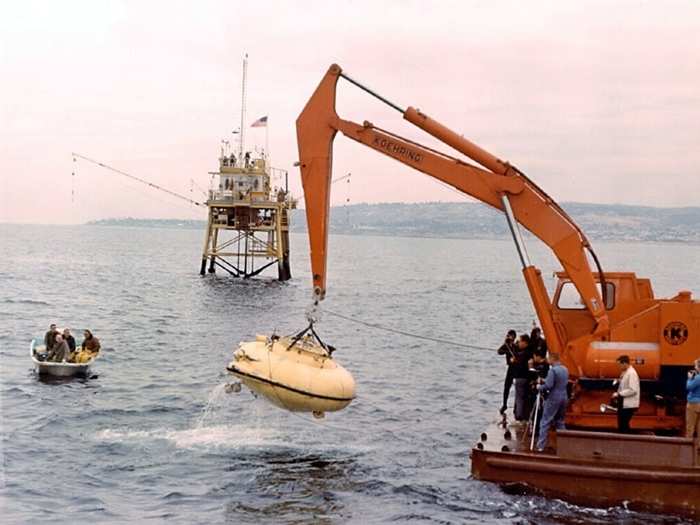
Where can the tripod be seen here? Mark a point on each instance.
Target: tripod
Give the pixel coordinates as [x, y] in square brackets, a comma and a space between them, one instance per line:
[532, 422]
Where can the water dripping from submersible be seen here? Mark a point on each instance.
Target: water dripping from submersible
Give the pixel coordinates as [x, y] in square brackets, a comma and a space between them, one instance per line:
[214, 401]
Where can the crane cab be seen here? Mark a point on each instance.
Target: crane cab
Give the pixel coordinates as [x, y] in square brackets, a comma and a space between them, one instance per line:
[661, 337]
[625, 295]
[636, 316]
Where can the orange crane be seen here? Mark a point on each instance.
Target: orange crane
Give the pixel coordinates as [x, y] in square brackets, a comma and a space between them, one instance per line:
[593, 316]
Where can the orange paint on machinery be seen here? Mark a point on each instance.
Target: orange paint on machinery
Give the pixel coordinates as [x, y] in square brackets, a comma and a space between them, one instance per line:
[593, 317]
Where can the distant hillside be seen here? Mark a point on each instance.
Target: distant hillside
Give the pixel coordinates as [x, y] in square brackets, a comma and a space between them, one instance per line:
[476, 221]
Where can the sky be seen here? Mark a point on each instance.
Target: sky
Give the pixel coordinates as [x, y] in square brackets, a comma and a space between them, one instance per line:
[595, 101]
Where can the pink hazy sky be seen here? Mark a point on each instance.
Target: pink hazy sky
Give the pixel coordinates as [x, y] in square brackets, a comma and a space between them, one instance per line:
[596, 101]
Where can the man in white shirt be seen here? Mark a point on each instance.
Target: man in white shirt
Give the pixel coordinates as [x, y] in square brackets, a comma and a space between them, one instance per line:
[627, 395]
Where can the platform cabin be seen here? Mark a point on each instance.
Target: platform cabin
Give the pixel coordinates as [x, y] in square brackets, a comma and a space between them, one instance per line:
[248, 221]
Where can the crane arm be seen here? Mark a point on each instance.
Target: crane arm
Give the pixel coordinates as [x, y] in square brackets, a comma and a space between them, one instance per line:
[499, 185]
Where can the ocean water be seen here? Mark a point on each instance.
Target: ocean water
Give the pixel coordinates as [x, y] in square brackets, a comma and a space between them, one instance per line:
[153, 437]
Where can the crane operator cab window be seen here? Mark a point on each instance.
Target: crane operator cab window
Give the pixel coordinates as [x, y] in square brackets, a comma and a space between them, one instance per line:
[570, 299]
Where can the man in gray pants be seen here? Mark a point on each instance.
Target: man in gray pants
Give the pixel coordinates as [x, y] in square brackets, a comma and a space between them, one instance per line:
[555, 404]
[60, 350]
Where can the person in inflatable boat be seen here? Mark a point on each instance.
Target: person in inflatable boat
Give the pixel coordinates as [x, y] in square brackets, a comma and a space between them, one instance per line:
[88, 349]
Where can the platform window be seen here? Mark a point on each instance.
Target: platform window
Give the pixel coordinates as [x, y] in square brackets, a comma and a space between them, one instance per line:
[569, 298]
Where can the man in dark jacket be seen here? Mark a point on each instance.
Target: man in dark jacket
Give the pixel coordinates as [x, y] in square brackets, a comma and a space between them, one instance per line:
[69, 339]
[538, 370]
[508, 349]
[538, 345]
[50, 337]
[521, 378]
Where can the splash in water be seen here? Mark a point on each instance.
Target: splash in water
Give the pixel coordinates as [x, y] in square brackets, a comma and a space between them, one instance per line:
[199, 437]
[213, 403]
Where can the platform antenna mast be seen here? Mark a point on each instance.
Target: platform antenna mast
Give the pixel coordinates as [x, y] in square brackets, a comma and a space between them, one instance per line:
[241, 150]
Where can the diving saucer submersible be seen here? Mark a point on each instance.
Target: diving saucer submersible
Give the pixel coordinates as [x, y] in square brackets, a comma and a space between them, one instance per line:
[297, 374]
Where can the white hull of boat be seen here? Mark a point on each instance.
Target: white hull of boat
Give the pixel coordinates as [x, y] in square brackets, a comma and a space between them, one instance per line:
[47, 368]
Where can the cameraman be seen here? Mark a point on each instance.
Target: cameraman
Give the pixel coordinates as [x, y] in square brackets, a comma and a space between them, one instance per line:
[508, 349]
[692, 409]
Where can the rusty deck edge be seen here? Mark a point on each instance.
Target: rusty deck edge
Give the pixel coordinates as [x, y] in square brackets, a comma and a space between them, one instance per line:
[679, 493]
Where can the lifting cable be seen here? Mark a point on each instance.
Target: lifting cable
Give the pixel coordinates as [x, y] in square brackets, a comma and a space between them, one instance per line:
[134, 177]
[404, 333]
[376, 326]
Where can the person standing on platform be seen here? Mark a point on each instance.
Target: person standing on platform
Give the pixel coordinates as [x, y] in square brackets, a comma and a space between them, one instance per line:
[538, 345]
[521, 372]
[627, 395]
[538, 370]
[692, 409]
[508, 349]
[554, 410]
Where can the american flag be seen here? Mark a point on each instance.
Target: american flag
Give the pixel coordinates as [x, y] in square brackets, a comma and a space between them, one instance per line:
[260, 123]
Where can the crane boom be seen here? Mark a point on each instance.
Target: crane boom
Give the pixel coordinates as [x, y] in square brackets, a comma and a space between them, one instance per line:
[660, 335]
[496, 183]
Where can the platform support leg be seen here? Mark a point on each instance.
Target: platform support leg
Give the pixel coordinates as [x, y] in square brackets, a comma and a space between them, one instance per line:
[284, 272]
[214, 244]
[205, 249]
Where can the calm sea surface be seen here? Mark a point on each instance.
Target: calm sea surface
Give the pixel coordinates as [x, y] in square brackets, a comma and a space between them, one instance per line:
[153, 438]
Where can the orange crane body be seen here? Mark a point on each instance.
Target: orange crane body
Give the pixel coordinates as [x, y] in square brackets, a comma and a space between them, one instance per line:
[611, 313]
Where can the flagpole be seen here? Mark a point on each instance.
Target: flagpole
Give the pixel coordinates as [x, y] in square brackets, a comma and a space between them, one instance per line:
[267, 143]
[241, 137]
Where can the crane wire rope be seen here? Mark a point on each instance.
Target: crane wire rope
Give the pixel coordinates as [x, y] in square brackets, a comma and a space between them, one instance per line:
[134, 177]
[406, 334]
[416, 336]
[377, 326]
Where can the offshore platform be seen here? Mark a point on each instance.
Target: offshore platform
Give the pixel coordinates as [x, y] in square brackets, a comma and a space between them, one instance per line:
[248, 221]
[247, 218]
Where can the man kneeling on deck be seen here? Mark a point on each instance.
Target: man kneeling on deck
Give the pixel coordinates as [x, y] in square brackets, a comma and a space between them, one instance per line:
[557, 398]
